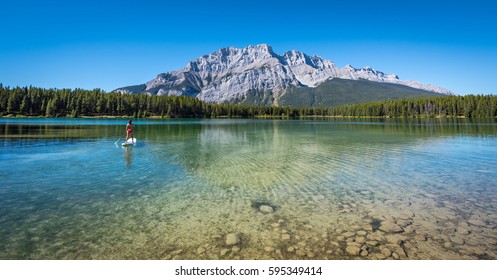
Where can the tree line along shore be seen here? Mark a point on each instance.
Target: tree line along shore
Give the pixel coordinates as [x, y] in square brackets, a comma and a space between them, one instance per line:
[39, 102]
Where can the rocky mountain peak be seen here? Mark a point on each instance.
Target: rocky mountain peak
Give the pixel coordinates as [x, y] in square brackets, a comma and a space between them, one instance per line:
[229, 74]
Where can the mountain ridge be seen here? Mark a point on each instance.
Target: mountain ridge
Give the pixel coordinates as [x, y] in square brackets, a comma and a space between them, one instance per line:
[233, 74]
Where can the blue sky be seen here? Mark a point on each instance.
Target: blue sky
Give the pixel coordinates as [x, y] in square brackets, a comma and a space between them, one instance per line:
[109, 44]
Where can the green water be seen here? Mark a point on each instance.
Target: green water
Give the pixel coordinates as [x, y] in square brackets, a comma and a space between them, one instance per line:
[339, 189]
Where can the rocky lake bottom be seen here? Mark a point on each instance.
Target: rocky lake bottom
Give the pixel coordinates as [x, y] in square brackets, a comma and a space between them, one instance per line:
[236, 189]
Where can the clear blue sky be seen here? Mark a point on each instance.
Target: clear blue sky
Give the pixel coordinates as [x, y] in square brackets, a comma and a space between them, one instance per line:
[109, 44]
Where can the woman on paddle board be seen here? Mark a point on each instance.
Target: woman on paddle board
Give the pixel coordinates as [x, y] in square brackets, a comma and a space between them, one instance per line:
[129, 130]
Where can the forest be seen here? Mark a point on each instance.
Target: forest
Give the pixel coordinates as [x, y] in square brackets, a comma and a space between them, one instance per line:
[39, 102]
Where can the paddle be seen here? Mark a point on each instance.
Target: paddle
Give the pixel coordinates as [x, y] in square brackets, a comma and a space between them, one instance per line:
[115, 143]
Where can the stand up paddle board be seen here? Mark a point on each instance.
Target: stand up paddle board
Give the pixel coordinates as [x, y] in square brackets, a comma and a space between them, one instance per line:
[131, 141]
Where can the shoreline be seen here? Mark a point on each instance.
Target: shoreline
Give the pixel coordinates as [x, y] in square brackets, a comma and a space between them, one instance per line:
[239, 117]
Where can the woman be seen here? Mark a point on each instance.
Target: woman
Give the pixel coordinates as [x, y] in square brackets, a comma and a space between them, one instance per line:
[129, 130]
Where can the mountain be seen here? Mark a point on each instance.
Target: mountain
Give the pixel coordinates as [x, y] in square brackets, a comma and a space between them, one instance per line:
[257, 75]
[338, 91]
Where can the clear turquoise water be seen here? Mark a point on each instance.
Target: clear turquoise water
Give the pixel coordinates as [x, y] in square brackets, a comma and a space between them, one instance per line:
[68, 192]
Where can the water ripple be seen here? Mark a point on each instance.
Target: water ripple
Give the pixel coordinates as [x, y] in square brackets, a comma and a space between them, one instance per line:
[189, 184]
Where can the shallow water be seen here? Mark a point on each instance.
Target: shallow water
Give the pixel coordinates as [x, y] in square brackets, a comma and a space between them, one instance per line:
[339, 189]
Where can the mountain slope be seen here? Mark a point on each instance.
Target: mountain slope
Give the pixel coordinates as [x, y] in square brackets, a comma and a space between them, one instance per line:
[257, 75]
[337, 92]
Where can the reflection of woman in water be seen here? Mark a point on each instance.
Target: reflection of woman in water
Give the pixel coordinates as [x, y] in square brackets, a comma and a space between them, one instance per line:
[128, 156]
[129, 130]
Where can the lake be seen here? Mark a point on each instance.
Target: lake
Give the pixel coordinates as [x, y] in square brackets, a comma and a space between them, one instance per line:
[248, 189]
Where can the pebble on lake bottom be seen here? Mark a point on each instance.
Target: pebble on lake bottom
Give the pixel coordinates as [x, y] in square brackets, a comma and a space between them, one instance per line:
[266, 209]
[232, 239]
[353, 250]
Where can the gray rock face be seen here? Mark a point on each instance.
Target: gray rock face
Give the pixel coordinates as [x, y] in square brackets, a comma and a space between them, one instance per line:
[231, 73]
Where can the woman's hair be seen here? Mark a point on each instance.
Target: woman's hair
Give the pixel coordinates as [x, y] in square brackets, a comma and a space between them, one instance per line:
[130, 121]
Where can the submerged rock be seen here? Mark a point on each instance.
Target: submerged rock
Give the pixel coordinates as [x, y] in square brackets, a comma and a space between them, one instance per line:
[232, 239]
[372, 243]
[395, 239]
[285, 237]
[266, 209]
[177, 252]
[268, 249]
[353, 250]
[463, 231]
[463, 225]
[375, 236]
[360, 239]
[457, 240]
[349, 234]
[364, 253]
[409, 229]
[200, 250]
[361, 233]
[386, 252]
[378, 256]
[477, 222]
[404, 223]
[224, 252]
[421, 237]
[388, 226]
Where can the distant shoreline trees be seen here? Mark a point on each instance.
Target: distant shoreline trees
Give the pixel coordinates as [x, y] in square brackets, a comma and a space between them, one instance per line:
[38, 102]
